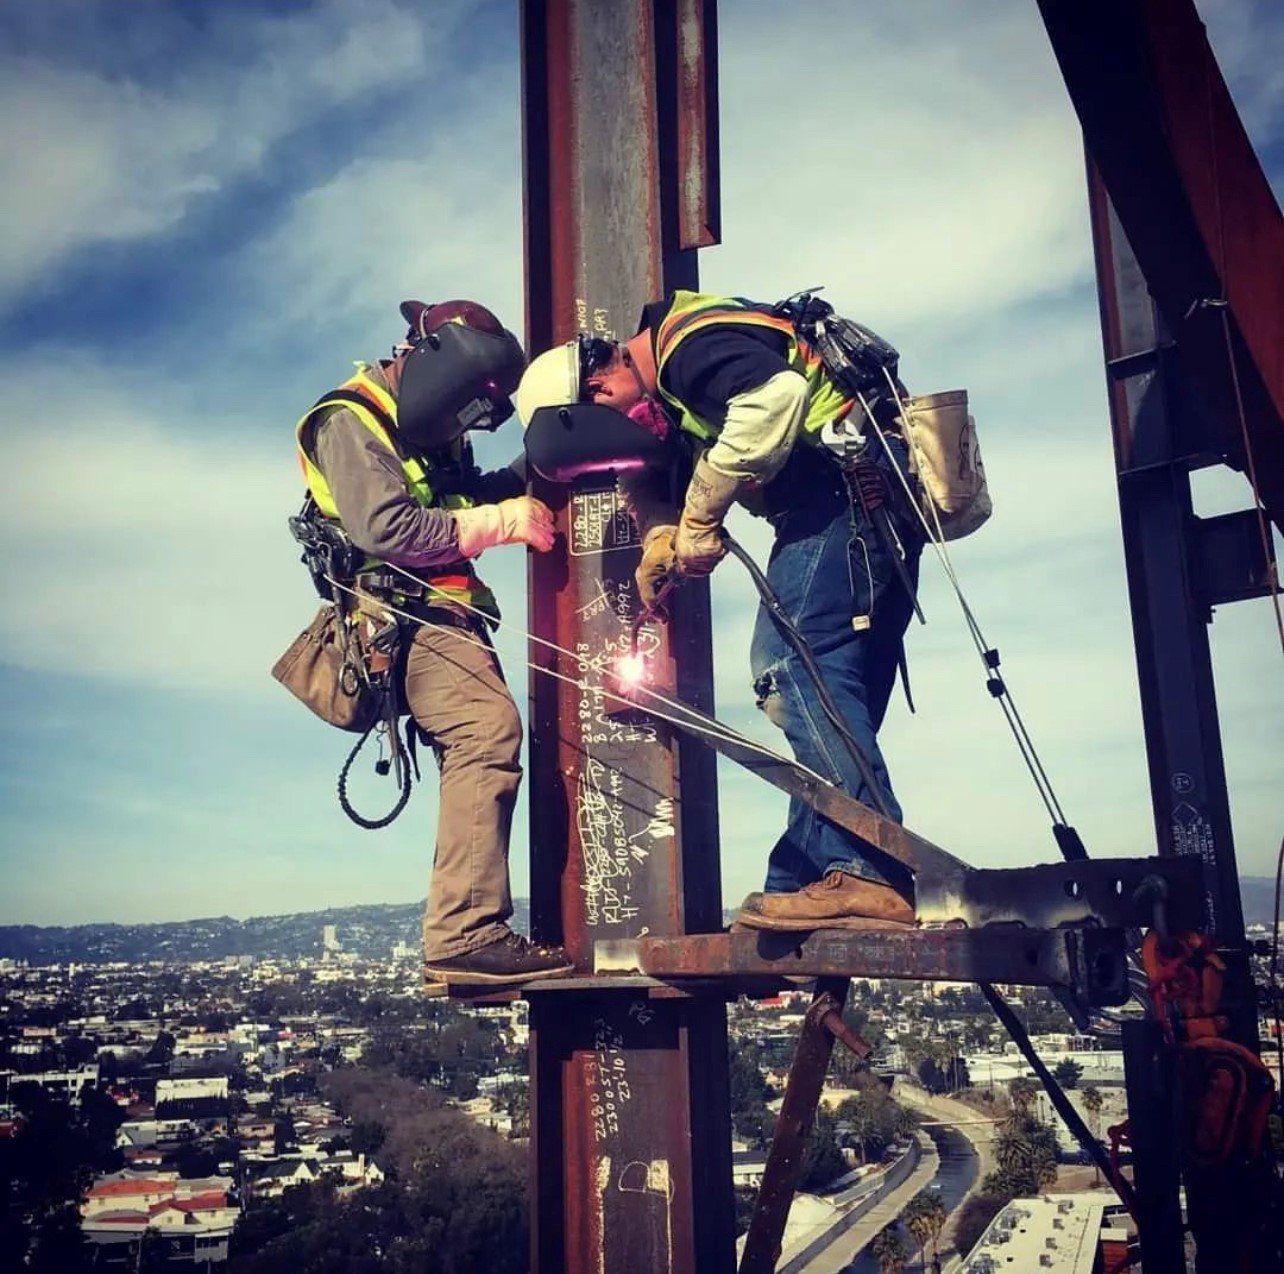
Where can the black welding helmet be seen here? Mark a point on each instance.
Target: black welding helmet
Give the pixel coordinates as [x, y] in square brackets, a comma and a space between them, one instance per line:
[575, 440]
[460, 371]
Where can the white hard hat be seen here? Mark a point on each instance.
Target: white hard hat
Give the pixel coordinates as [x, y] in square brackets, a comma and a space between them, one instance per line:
[552, 380]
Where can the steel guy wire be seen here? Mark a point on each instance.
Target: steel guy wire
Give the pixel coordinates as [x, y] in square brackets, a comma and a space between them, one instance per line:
[936, 537]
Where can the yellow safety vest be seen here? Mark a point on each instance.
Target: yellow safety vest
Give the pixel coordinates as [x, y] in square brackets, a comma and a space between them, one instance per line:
[460, 583]
[695, 311]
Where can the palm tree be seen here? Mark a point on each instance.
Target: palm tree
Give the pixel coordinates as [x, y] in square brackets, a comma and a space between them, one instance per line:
[914, 1218]
[936, 1218]
[1092, 1103]
[889, 1251]
[1022, 1092]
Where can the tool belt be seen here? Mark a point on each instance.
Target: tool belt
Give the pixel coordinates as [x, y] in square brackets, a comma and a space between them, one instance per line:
[419, 601]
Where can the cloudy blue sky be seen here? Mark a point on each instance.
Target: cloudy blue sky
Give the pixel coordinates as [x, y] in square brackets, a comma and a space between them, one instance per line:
[210, 209]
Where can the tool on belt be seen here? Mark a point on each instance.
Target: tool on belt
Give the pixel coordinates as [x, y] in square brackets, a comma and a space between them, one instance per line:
[344, 665]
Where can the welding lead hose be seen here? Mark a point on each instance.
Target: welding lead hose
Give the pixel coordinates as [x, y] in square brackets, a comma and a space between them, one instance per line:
[808, 660]
[656, 705]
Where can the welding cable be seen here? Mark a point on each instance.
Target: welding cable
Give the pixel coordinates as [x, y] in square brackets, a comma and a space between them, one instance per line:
[1259, 506]
[1222, 304]
[721, 731]
[806, 656]
[989, 655]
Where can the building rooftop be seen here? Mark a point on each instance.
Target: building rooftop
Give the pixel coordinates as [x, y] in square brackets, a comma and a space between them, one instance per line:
[1054, 1232]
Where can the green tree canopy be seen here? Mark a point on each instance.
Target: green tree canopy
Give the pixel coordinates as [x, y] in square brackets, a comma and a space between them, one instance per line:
[1067, 1072]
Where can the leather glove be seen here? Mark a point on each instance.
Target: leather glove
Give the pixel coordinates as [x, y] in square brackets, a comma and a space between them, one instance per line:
[522, 520]
[658, 563]
[698, 543]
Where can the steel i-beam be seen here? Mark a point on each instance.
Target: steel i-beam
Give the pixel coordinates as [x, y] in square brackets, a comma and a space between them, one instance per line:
[630, 1108]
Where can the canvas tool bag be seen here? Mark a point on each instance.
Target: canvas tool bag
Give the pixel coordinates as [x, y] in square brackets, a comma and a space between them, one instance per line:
[322, 669]
[946, 458]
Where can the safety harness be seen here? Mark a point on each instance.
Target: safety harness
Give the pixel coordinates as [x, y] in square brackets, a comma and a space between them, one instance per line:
[373, 640]
[369, 655]
[1226, 1088]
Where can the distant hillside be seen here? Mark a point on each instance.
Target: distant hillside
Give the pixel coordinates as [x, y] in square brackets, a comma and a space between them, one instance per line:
[1258, 893]
[368, 931]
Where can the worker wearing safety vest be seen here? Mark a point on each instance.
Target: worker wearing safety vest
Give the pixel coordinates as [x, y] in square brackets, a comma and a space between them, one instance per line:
[735, 383]
[384, 459]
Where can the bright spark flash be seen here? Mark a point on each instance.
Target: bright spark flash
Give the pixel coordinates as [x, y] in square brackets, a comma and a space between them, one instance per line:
[630, 669]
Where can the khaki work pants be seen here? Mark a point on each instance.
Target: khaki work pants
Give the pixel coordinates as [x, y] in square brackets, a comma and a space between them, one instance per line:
[456, 692]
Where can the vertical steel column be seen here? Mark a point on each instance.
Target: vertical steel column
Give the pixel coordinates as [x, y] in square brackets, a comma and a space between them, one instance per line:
[1156, 1169]
[630, 1118]
[1161, 433]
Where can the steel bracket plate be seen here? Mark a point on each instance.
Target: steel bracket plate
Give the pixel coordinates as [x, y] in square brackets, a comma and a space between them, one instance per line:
[1102, 891]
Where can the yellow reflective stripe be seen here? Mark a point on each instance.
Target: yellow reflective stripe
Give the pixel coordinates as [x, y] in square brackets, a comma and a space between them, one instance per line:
[694, 311]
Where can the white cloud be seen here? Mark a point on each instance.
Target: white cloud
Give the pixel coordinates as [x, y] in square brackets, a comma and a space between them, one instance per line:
[89, 158]
[940, 196]
[935, 172]
[311, 277]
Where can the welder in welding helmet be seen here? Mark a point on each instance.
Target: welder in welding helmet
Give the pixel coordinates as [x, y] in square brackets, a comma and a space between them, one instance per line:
[591, 369]
[387, 457]
[459, 365]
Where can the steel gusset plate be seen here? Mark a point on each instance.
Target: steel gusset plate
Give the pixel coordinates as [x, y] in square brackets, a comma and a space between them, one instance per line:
[1052, 895]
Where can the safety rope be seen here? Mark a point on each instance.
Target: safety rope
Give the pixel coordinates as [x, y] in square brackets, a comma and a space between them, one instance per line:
[403, 778]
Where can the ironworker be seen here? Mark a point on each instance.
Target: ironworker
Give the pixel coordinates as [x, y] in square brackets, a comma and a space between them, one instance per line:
[745, 397]
[386, 455]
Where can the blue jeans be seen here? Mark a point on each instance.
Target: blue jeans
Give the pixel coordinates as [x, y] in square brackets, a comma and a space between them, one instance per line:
[828, 565]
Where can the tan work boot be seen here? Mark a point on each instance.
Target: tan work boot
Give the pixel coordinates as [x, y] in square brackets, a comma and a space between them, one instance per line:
[839, 901]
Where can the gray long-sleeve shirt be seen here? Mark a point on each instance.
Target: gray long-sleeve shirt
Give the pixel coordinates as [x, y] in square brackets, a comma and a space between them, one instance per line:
[374, 503]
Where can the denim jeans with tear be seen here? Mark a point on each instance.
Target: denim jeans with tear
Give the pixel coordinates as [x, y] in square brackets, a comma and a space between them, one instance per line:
[828, 565]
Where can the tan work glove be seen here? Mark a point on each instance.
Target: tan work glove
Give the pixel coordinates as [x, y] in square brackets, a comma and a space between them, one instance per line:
[522, 520]
[658, 563]
[698, 543]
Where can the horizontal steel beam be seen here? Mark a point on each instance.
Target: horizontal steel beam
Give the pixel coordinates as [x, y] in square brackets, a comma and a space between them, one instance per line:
[1102, 891]
[1089, 961]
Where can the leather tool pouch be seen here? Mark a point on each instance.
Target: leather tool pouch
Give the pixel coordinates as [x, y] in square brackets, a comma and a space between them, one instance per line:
[322, 668]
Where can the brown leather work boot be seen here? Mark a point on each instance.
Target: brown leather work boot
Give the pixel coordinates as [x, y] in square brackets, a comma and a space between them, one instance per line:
[839, 901]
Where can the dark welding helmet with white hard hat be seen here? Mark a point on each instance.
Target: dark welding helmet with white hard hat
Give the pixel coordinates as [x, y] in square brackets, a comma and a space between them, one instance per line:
[569, 438]
[462, 366]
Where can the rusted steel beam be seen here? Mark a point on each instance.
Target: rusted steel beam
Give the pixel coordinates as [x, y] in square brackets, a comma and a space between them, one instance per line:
[1151, 413]
[1090, 960]
[838, 1028]
[630, 1114]
[695, 96]
[1195, 205]
[797, 1112]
